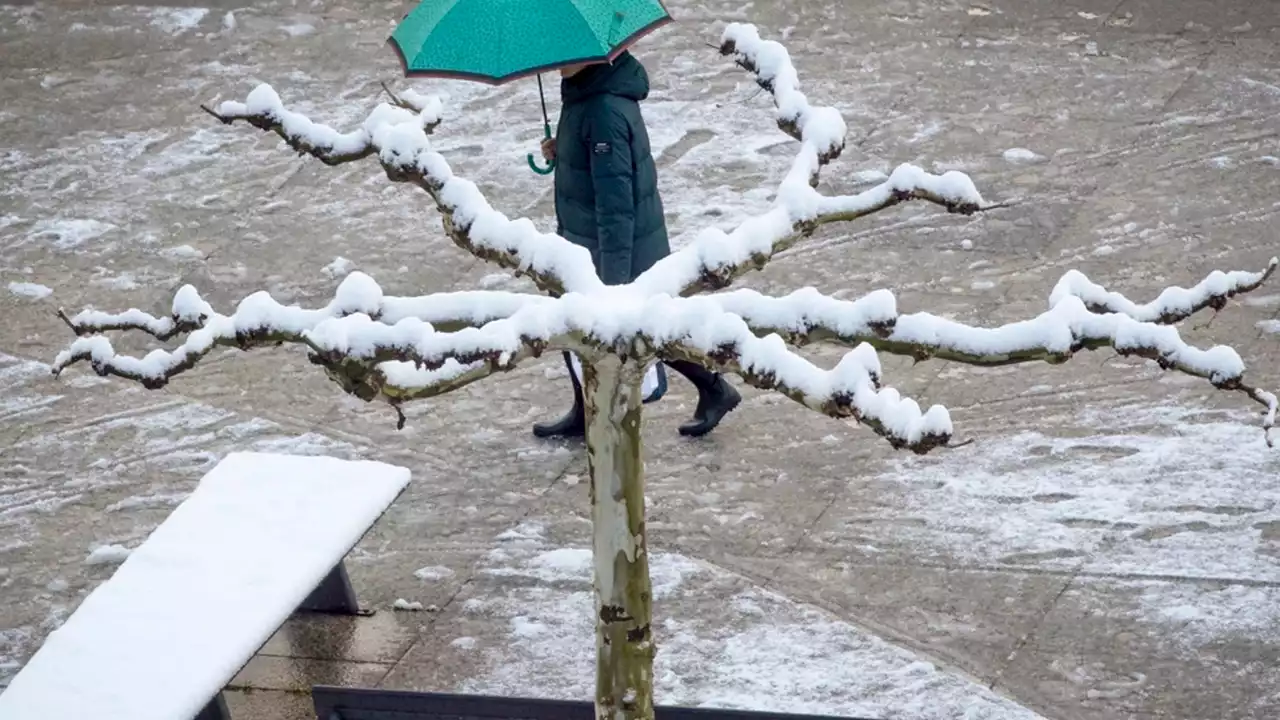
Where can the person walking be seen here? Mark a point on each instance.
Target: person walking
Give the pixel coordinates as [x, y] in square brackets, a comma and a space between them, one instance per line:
[607, 201]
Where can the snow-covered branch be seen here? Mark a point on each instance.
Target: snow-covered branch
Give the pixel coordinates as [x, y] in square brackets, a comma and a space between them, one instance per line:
[397, 134]
[370, 344]
[399, 382]
[189, 314]
[1071, 325]
[851, 389]
[400, 357]
[358, 293]
[1172, 305]
[822, 128]
[715, 258]
[807, 316]
[379, 346]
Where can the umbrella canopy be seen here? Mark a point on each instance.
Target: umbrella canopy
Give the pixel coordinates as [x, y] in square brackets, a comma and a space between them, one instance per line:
[494, 41]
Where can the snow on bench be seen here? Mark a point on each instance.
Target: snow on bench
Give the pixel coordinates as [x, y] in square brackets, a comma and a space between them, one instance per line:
[261, 536]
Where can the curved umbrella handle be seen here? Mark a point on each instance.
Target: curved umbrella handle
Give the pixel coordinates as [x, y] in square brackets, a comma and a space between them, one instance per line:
[533, 163]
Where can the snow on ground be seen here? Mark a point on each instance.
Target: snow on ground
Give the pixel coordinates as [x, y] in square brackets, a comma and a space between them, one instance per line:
[69, 234]
[178, 20]
[35, 291]
[13, 644]
[1152, 493]
[298, 29]
[1022, 156]
[108, 555]
[339, 267]
[1199, 616]
[722, 642]
[433, 572]
[183, 252]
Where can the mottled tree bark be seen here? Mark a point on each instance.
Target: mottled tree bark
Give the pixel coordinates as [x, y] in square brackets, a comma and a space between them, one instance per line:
[624, 596]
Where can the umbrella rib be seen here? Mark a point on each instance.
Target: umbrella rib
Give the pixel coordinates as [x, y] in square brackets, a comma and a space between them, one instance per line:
[453, 5]
[605, 48]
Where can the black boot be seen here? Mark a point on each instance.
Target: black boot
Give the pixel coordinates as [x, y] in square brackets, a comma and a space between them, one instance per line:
[574, 423]
[716, 398]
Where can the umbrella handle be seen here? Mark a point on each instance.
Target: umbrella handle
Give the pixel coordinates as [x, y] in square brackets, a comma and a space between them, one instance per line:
[533, 163]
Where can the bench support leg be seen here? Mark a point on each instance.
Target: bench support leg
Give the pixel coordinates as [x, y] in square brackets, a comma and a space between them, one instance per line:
[215, 710]
[333, 595]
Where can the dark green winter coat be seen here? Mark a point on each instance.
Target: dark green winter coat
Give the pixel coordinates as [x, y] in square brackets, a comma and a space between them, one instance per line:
[606, 182]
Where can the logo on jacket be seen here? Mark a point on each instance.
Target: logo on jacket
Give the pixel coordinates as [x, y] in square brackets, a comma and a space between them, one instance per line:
[602, 148]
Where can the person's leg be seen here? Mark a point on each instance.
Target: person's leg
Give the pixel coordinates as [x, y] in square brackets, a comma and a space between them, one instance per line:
[574, 423]
[716, 397]
[701, 377]
[655, 392]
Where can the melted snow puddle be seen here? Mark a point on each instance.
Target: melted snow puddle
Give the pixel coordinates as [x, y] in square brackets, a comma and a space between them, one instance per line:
[722, 642]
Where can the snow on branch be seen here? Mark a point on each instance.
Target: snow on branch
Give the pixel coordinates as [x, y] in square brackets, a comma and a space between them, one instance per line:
[1069, 326]
[849, 390]
[371, 344]
[1173, 304]
[715, 258]
[821, 127]
[189, 312]
[357, 293]
[397, 134]
[378, 346]
[264, 110]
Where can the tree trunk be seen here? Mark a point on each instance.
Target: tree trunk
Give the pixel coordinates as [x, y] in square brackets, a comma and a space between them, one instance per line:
[624, 641]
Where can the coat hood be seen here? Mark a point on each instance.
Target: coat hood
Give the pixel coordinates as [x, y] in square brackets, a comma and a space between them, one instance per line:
[624, 77]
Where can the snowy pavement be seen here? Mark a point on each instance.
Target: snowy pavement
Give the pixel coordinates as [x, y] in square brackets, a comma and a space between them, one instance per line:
[1108, 547]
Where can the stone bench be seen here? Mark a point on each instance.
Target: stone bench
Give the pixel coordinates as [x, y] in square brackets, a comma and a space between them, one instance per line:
[261, 536]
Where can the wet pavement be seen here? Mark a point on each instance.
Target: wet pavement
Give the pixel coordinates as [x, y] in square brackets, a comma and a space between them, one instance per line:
[1109, 547]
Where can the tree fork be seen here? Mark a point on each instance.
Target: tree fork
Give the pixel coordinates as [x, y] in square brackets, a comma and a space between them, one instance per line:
[623, 591]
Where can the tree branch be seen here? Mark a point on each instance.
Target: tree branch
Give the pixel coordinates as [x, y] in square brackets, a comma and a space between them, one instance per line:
[397, 135]
[849, 390]
[361, 366]
[357, 293]
[807, 316]
[1067, 328]
[400, 382]
[821, 127]
[454, 311]
[189, 312]
[375, 346]
[1173, 304]
[410, 100]
[715, 259]
[399, 358]
[852, 389]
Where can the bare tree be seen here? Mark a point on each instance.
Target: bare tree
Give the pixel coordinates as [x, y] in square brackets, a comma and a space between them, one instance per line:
[397, 349]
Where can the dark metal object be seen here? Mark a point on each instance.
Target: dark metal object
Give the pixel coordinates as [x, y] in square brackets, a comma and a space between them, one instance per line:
[336, 703]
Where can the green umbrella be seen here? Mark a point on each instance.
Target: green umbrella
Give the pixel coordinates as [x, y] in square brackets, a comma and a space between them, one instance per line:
[495, 41]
